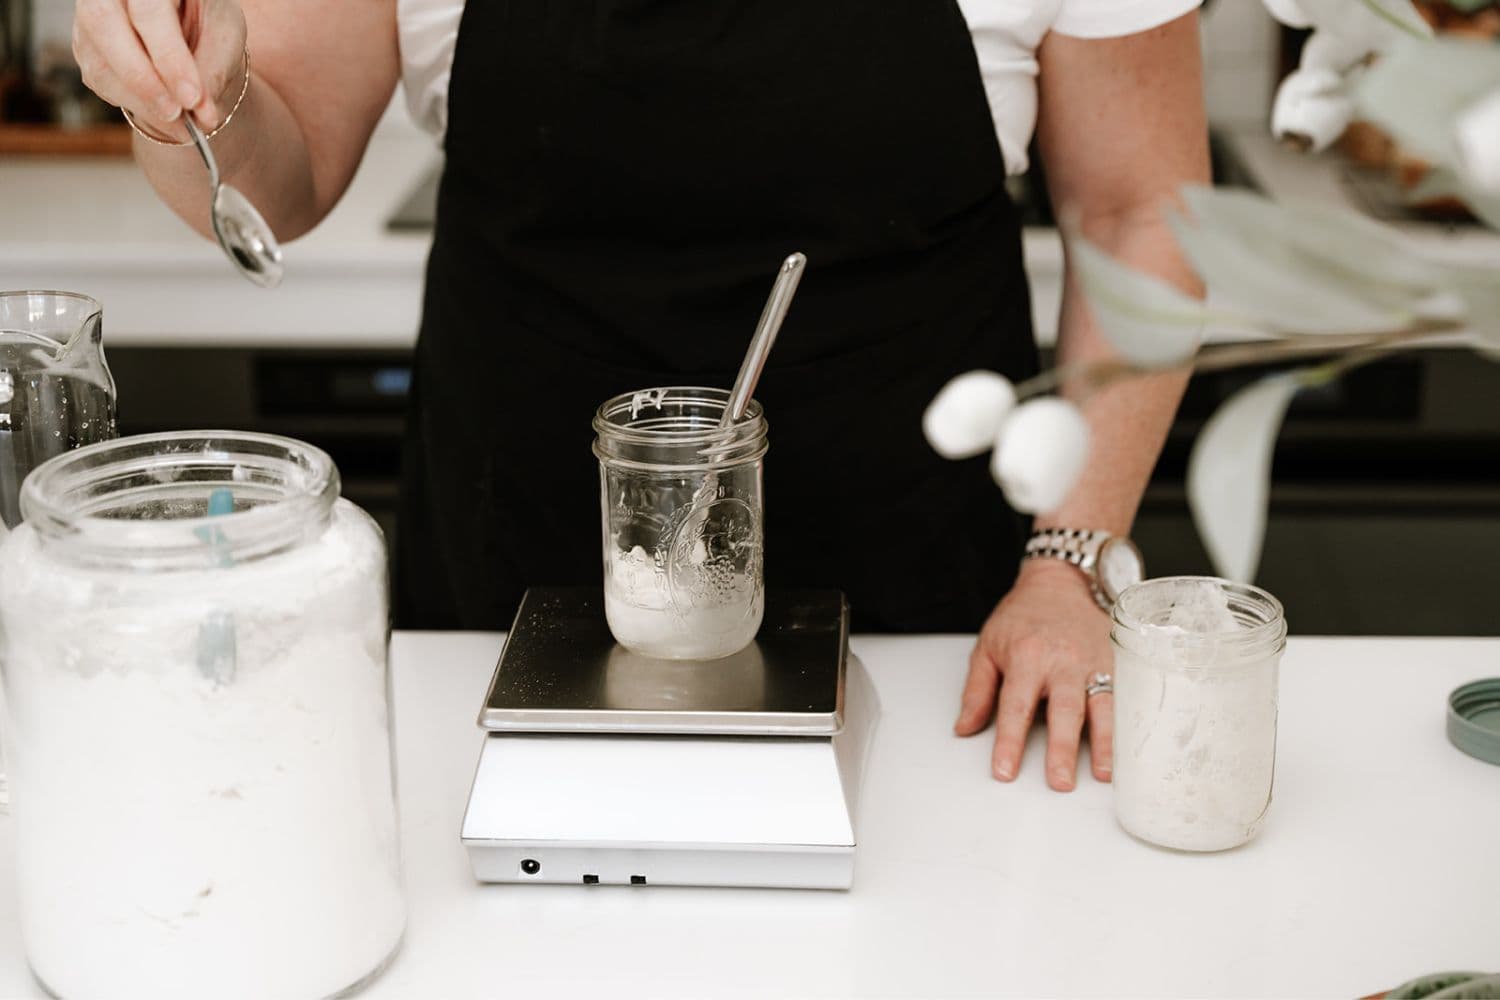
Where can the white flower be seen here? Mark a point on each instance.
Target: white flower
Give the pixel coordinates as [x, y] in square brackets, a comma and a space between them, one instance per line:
[964, 417]
[1041, 451]
[1289, 13]
[1312, 104]
[1477, 133]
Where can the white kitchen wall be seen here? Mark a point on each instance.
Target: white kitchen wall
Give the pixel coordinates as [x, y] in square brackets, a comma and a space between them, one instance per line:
[1239, 62]
[52, 21]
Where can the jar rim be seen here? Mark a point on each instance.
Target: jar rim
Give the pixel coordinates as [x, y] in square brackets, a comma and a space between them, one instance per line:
[1271, 629]
[65, 499]
[681, 442]
[753, 421]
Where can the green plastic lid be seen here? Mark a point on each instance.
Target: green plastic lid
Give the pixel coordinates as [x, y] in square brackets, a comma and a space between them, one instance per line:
[1474, 719]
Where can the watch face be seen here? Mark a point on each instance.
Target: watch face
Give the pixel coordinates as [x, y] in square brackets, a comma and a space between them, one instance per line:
[1119, 566]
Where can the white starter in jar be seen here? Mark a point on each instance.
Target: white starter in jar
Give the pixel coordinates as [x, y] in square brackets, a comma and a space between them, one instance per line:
[1195, 711]
[202, 780]
[642, 617]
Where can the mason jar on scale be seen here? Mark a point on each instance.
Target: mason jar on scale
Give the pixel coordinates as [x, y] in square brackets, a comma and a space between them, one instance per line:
[682, 506]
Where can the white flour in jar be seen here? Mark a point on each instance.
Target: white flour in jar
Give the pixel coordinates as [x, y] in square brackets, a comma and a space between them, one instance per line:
[644, 619]
[1195, 731]
[181, 837]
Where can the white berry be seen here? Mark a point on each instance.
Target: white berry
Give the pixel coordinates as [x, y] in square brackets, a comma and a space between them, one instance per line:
[1040, 453]
[964, 417]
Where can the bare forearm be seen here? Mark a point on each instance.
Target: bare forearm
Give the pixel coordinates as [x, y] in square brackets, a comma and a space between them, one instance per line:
[1128, 420]
[321, 75]
[262, 152]
[1122, 129]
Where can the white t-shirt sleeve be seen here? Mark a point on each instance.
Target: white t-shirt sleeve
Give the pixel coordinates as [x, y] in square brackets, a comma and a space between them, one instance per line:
[1112, 18]
[428, 35]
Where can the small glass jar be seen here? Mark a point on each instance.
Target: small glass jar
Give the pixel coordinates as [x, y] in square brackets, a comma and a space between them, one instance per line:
[683, 537]
[193, 636]
[1195, 710]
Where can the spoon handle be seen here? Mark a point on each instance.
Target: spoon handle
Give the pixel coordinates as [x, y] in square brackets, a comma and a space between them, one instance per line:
[202, 145]
[765, 335]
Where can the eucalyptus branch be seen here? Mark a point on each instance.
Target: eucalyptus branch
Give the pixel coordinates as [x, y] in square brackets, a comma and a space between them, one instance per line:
[1091, 376]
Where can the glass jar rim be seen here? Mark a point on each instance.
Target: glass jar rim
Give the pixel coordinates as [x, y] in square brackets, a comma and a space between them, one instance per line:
[753, 420]
[65, 498]
[1270, 631]
[698, 446]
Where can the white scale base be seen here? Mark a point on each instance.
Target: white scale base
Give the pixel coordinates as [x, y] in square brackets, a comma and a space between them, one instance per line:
[642, 809]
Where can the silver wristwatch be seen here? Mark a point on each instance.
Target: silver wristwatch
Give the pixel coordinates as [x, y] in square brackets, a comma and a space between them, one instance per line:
[1111, 564]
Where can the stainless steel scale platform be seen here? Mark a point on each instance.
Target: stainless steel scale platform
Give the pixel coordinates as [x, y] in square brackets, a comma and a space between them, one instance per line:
[605, 767]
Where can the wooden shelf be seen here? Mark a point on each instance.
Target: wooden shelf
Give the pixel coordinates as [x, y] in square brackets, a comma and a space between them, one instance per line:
[52, 140]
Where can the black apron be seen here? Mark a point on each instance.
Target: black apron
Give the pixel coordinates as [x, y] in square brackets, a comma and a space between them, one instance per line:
[623, 178]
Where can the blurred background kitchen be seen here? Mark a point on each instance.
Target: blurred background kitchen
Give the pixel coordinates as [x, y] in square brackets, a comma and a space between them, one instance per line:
[1385, 515]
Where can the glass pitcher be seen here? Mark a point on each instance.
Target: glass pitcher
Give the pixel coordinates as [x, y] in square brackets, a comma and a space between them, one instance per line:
[56, 392]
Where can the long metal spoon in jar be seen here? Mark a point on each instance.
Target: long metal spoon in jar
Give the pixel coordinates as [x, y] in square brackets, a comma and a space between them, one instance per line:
[766, 330]
[243, 234]
[771, 318]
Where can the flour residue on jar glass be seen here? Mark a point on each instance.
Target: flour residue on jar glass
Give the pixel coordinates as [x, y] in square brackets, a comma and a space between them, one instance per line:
[1195, 711]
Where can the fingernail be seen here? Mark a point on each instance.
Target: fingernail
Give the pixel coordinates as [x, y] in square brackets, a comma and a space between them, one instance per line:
[1005, 770]
[168, 111]
[187, 94]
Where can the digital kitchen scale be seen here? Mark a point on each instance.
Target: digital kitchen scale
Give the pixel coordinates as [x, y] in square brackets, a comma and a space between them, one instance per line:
[605, 767]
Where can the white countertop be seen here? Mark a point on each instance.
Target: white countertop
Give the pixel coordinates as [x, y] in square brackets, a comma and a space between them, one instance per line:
[1377, 862]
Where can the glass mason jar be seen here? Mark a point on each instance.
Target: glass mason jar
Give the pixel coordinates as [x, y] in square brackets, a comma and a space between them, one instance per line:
[1195, 710]
[193, 635]
[683, 535]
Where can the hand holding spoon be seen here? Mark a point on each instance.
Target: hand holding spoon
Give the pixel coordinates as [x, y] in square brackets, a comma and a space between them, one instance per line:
[246, 239]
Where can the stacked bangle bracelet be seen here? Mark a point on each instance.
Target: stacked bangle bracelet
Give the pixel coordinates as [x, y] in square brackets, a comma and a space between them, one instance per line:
[160, 141]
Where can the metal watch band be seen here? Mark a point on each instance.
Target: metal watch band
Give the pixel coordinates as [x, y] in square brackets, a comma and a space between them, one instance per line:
[1075, 546]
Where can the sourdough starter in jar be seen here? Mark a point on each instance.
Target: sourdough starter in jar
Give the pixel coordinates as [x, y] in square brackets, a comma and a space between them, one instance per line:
[1195, 710]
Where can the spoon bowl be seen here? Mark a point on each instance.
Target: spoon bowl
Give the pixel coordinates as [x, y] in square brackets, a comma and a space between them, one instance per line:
[242, 232]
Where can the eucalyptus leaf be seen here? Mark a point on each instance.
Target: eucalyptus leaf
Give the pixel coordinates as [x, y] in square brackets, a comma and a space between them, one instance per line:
[1402, 14]
[1285, 290]
[1229, 474]
[1329, 239]
[1147, 320]
[1417, 90]
[1378, 24]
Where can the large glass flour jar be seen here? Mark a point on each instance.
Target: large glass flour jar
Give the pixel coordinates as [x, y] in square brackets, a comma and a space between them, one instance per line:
[683, 537]
[193, 635]
[1195, 710]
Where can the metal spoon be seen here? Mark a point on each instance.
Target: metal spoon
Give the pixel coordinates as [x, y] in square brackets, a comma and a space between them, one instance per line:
[766, 330]
[246, 239]
[693, 519]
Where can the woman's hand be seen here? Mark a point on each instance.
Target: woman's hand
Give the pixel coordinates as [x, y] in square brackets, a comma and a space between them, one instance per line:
[158, 58]
[1045, 640]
